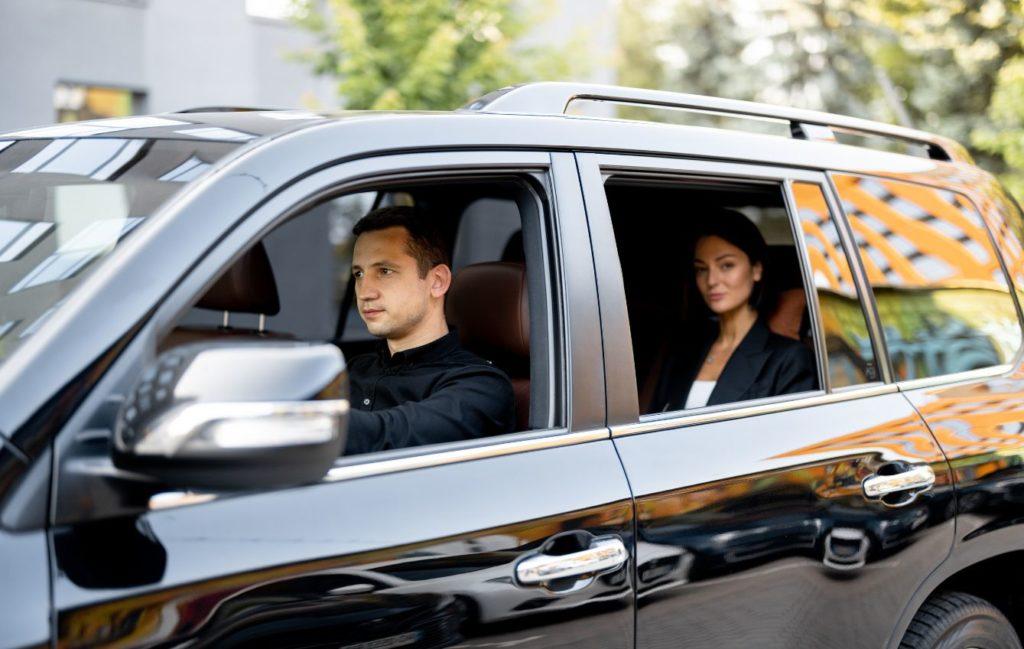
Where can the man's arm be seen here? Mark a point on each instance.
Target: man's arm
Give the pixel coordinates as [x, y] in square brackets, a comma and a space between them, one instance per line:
[473, 401]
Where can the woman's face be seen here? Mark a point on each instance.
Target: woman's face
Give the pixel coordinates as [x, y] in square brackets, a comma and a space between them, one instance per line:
[725, 276]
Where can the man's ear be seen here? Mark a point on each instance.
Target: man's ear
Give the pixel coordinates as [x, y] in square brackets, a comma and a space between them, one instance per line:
[440, 278]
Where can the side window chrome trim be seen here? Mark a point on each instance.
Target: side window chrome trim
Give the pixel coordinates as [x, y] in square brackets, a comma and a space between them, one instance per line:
[764, 407]
[957, 377]
[371, 466]
[555, 438]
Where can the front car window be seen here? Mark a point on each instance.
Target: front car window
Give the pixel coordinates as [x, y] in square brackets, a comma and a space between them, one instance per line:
[66, 203]
[942, 297]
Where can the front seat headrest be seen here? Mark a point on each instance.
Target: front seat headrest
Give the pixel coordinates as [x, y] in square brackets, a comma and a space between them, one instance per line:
[247, 287]
[488, 305]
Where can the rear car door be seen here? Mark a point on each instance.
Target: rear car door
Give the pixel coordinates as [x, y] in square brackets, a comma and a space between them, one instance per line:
[753, 524]
[418, 547]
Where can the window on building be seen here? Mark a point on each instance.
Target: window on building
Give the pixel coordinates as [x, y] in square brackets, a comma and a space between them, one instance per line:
[272, 9]
[75, 102]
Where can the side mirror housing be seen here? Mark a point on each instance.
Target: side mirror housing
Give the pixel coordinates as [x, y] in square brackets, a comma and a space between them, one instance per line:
[236, 415]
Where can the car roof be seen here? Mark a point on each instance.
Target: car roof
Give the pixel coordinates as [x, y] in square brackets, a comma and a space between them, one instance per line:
[215, 125]
[533, 100]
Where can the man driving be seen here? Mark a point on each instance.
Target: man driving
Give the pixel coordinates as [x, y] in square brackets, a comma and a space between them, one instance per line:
[420, 386]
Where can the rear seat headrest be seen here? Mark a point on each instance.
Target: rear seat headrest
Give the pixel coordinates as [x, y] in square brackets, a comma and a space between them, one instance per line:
[488, 305]
[247, 287]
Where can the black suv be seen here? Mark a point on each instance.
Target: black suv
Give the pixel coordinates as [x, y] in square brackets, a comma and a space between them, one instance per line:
[176, 301]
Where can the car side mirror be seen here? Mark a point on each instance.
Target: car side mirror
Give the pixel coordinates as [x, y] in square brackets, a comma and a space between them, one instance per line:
[236, 415]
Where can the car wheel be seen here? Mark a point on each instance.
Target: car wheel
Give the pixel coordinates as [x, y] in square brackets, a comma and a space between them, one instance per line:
[959, 621]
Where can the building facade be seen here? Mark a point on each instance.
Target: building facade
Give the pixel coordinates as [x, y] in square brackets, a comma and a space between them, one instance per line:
[80, 59]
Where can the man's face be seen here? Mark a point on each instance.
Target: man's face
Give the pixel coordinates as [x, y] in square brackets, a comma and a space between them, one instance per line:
[392, 297]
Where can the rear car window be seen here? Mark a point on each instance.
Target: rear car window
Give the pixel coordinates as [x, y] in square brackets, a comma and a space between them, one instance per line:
[851, 357]
[657, 225]
[942, 296]
[66, 203]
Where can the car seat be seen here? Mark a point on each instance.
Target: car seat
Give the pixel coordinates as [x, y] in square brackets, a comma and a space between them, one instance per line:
[488, 307]
[248, 286]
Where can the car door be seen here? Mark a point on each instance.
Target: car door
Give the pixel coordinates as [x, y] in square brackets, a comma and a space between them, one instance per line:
[764, 503]
[412, 548]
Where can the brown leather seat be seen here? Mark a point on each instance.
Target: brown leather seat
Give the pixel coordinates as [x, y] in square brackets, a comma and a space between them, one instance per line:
[488, 306]
[247, 287]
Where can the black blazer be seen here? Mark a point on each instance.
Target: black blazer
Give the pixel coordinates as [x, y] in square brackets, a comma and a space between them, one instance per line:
[764, 364]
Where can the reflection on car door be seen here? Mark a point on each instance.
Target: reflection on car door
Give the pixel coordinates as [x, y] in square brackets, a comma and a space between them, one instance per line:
[753, 526]
[421, 558]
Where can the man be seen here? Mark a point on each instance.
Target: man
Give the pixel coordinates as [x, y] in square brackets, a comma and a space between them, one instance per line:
[420, 386]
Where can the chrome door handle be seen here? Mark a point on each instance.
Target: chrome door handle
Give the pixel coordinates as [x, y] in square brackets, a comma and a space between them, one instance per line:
[602, 555]
[917, 478]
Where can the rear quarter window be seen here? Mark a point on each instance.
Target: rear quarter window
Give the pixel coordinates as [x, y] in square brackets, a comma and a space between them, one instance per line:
[942, 296]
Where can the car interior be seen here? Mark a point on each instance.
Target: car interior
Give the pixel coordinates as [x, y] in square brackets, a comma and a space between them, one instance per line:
[663, 303]
[296, 284]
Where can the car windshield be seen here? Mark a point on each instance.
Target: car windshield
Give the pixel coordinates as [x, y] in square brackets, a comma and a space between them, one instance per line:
[66, 203]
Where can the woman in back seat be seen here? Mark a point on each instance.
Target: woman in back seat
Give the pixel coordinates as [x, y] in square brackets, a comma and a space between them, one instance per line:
[740, 358]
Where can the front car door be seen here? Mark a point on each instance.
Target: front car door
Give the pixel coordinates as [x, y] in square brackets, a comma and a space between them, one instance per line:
[413, 548]
[763, 500]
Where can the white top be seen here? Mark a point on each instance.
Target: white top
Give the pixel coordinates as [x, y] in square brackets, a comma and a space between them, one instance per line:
[700, 392]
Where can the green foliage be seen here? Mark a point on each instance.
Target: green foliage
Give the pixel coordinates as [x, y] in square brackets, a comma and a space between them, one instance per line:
[427, 54]
[955, 67]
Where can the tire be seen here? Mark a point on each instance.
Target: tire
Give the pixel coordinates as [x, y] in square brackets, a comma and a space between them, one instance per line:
[959, 621]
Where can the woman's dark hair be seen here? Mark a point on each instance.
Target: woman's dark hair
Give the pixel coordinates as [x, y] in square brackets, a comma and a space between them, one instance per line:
[737, 229]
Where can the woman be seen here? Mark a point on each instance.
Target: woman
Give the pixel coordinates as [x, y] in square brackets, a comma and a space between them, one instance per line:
[741, 358]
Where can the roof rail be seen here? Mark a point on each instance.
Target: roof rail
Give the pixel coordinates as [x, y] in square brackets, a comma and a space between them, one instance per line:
[224, 109]
[554, 98]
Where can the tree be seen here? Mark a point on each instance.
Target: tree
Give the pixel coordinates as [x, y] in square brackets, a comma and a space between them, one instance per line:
[427, 54]
[964, 74]
[808, 53]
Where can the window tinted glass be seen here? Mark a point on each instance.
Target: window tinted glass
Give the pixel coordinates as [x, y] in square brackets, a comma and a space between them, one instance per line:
[851, 358]
[675, 330]
[942, 297]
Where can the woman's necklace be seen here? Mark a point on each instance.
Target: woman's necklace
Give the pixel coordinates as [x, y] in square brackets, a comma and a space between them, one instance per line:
[712, 355]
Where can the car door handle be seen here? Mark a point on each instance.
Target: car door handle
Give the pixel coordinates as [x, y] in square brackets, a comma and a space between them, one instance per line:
[602, 555]
[916, 478]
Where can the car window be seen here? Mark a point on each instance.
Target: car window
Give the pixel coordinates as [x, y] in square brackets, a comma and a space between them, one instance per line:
[942, 297]
[674, 326]
[488, 225]
[850, 355]
[66, 203]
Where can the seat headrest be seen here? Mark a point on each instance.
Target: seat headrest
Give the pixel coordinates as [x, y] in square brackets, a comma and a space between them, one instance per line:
[788, 317]
[488, 305]
[247, 287]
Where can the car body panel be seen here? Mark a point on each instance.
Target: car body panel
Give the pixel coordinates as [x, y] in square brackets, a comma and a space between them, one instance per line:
[313, 566]
[726, 547]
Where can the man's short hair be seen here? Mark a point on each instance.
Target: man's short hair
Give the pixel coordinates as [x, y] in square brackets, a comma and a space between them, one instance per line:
[425, 242]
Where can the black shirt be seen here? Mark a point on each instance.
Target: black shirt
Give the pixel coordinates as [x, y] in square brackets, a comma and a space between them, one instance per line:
[438, 392]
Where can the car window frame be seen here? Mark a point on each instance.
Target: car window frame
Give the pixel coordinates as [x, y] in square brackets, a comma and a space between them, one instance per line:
[623, 411]
[581, 368]
[860, 281]
[855, 259]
